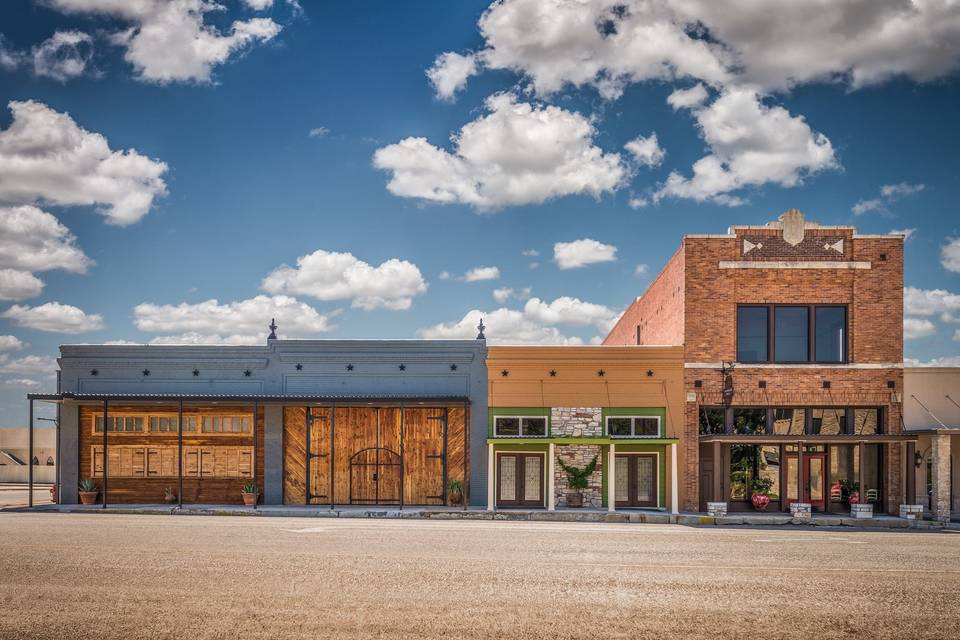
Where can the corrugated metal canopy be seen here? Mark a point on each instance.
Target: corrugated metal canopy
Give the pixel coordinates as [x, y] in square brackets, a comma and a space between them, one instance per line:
[247, 397]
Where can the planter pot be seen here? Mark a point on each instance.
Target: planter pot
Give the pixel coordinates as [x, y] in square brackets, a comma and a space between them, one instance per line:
[89, 497]
[760, 501]
[53, 494]
[169, 497]
[250, 499]
[574, 499]
[854, 498]
[456, 498]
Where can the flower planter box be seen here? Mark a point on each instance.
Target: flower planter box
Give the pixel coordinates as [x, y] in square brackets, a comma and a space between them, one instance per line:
[717, 509]
[801, 511]
[861, 511]
[911, 511]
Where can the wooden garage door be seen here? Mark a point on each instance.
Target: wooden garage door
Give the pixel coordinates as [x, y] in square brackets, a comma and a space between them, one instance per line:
[423, 455]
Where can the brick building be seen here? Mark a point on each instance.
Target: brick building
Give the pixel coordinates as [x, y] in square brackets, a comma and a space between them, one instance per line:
[793, 364]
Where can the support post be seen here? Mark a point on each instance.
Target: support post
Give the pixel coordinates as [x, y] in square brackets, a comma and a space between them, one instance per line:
[800, 495]
[180, 454]
[333, 427]
[491, 478]
[401, 455]
[106, 428]
[253, 465]
[862, 476]
[308, 420]
[611, 479]
[57, 452]
[717, 473]
[910, 473]
[551, 490]
[30, 458]
[674, 480]
[940, 455]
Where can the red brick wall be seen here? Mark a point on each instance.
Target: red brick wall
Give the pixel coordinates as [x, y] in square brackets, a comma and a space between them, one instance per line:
[658, 313]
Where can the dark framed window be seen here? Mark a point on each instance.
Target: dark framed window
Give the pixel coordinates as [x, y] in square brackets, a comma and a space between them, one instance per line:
[712, 421]
[789, 422]
[521, 426]
[867, 421]
[792, 333]
[828, 422]
[749, 422]
[633, 426]
[753, 333]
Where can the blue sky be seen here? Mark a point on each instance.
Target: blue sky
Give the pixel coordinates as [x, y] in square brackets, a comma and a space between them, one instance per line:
[296, 130]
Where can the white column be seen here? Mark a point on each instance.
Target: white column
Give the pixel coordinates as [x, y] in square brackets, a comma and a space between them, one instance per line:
[491, 478]
[674, 480]
[612, 478]
[551, 496]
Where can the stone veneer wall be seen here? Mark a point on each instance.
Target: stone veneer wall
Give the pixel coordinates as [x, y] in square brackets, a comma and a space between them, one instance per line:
[576, 422]
[579, 455]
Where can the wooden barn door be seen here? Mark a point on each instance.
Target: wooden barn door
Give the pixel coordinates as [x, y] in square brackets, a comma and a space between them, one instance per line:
[318, 456]
[424, 456]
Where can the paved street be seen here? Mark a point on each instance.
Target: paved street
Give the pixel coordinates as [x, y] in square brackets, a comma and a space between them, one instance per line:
[130, 576]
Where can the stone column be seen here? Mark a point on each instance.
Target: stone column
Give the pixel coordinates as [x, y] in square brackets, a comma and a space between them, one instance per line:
[272, 454]
[611, 478]
[551, 491]
[491, 478]
[940, 453]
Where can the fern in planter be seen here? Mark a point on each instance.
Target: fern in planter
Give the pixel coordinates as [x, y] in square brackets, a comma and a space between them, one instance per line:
[577, 479]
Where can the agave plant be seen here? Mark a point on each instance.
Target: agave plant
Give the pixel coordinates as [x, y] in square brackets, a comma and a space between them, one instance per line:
[250, 487]
[88, 485]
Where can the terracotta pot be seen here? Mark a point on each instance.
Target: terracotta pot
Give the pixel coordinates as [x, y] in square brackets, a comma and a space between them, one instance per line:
[574, 499]
[456, 497]
[88, 497]
[169, 497]
[760, 501]
[854, 498]
[250, 499]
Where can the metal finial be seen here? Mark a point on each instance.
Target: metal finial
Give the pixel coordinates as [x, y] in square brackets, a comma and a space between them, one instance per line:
[480, 327]
[273, 329]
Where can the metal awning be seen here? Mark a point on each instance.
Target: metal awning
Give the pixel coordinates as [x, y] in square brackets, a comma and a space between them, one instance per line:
[247, 397]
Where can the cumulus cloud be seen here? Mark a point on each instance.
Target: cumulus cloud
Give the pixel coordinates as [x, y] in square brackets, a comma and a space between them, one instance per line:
[570, 311]
[54, 317]
[504, 326]
[34, 240]
[19, 285]
[10, 58]
[65, 55]
[482, 273]
[169, 40]
[450, 72]
[917, 328]
[641, 270]
[240, 322]
[647, 151]
[21, 382]
[950, 255]
[906, 233]
[318, 132]
[28, 365]
[505, 293]
[931, 302]
[530, 253]
[608, 45]
[945, 361]
[688, 98]
[579, 253]
[889, 193]
[518, 153]
[10, 343]
[751, 144]
[46, 157]
[328, 275]
[258, 5]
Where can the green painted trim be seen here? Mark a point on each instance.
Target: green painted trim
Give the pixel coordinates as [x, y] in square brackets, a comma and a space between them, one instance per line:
[509, 446]
[493, 412]
[659, 412]
[620, 442]
[605, 452]
[661, 450]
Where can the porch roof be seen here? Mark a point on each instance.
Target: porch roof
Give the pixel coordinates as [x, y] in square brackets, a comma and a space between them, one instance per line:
[247, 397]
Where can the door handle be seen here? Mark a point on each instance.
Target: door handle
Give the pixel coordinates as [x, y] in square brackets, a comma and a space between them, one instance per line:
[375, 476]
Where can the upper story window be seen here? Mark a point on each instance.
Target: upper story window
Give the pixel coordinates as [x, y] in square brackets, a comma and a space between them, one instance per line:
[792, 421]
[792, 333]
[519, 426]
[633, 426]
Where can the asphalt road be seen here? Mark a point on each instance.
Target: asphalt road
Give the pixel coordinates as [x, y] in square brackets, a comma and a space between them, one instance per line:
[134, 576]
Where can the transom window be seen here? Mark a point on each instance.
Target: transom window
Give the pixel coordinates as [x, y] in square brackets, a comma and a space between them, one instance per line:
[792, 333]
[519, 426]
[633, 426]
[790, 421]
[226, 424]
[168, 424]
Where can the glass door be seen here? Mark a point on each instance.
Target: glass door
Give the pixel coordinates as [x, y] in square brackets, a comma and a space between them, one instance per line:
[635, 480]
[520, 479]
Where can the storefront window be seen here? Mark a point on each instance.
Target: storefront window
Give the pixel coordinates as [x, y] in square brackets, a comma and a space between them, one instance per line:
[828, 422]
[742, 461]
[844, 471]
[768, 469]
[749, 421]
[871, 492]
[711, 420]
[866, 421]
[789, 421]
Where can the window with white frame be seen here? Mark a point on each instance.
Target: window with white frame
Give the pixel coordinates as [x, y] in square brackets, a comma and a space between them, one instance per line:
[519, 426]
[633, 426]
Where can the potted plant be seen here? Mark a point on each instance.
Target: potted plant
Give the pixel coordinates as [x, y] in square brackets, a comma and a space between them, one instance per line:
[250, 492]
[53, 493]
[455, 491]
[88, 492]
[577, 480]
[169, 495]
[850, 490]
[760, 493]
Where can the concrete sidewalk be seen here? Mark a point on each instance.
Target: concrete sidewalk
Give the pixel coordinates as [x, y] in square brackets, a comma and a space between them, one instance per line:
[534, 515]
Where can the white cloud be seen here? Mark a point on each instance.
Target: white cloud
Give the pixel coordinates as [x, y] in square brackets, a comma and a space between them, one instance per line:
[579, 253]
[647, 151]
[328, 275]
[33, 240]
[688, 98]
[534, 265]
[240, 322]
[10, 343]
[169, 41]
[931, 302]
[65, 55]
[10, 58]
[21, 382]
[46, 157]
[637, 202]
[29, 365]
[906, 233]
[444, 275]
[889, 193]
[505, 293]
[751, 144]
[54, 317]
[530, 253]
[482, 273]
[945, 361]
[518, 153]
[504, 326]
[19, 285]
[950, 255]
[318, 132]
[609, 45]
[258, 5]
[450, 72]
[917, 328]
[641, 270]
[570, 311]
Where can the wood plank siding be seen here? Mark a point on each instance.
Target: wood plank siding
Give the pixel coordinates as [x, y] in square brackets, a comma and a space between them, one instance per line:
[378, 453]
